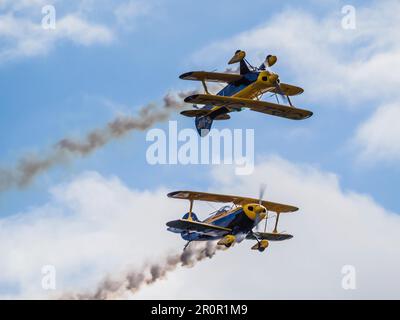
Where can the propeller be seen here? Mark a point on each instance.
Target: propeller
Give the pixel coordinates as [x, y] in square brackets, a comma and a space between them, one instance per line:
[266, 220]
[260, 197]
[270, 60]
[261, 193]
[280, 91]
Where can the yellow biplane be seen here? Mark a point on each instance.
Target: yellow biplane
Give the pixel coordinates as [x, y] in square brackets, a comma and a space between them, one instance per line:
[243, 90]
[230, 224]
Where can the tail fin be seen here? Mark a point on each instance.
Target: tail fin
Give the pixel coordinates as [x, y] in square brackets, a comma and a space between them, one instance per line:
[243, 67]
[203, 125]
[239, 56]
[194, 217]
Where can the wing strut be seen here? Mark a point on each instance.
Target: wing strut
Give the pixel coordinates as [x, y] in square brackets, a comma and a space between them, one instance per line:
[205, 86]
[290, 102]
[266, 219]
[190, 210]
[276, 222]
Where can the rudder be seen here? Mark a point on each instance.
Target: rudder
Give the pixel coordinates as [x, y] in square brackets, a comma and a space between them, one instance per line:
[203, 125]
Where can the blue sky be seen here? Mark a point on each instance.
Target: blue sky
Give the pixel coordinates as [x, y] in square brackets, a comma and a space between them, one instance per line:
[73, 85]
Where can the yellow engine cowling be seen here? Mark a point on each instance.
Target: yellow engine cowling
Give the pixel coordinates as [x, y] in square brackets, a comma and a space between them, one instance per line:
[227, 241]
[261, 246]
[252, 210]
[264, 82]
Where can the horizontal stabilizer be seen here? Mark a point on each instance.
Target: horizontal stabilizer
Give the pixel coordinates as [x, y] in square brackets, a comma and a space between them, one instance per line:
[195, 113]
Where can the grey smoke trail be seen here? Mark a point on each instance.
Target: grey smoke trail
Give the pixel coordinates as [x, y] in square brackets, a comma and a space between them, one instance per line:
[232, 70]
[134, 280]
[30, 166]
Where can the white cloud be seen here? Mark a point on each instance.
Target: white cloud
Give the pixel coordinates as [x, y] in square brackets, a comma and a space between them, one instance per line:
[80, 31]
[127, 12]
[95, 225]
[337, 67]
[329, 61]
[379, 135]
[90, 227]
[22, 34]
[17, 5]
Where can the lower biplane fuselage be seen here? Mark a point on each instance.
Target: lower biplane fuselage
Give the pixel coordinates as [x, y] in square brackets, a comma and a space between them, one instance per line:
[241, 220]
[229, 224]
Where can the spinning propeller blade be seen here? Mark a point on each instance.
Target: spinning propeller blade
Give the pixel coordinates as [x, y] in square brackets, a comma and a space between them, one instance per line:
[279, 91]
[260, 196]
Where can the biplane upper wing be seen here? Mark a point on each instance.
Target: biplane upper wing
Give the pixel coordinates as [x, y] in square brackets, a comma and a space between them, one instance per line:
[270, 108]
[190, 225]
[210, 76]
[288, 89]
[271, 236]
[213, 197]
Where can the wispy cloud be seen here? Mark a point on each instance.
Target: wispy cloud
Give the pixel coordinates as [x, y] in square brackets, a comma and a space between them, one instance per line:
[127, 12]
[354, 66]
[22, 34]
[379, 136]
[340, 68]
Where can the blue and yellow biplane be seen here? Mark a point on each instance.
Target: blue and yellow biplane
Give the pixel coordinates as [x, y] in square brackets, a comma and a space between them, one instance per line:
[243, 90]
[230, 224]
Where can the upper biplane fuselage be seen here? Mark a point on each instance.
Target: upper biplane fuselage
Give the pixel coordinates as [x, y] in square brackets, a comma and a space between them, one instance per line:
[252, 85]
[243, 90]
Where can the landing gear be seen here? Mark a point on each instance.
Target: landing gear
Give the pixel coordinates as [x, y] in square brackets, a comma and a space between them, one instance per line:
[227, 241]
[261, 245]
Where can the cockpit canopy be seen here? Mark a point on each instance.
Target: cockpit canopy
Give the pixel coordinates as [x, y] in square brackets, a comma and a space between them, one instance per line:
[221, 210]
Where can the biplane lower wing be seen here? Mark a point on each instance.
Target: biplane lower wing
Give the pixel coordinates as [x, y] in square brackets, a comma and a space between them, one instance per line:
[190, 225]
[270, 108]
[269, 236]
[211, 76]
[213, 197]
